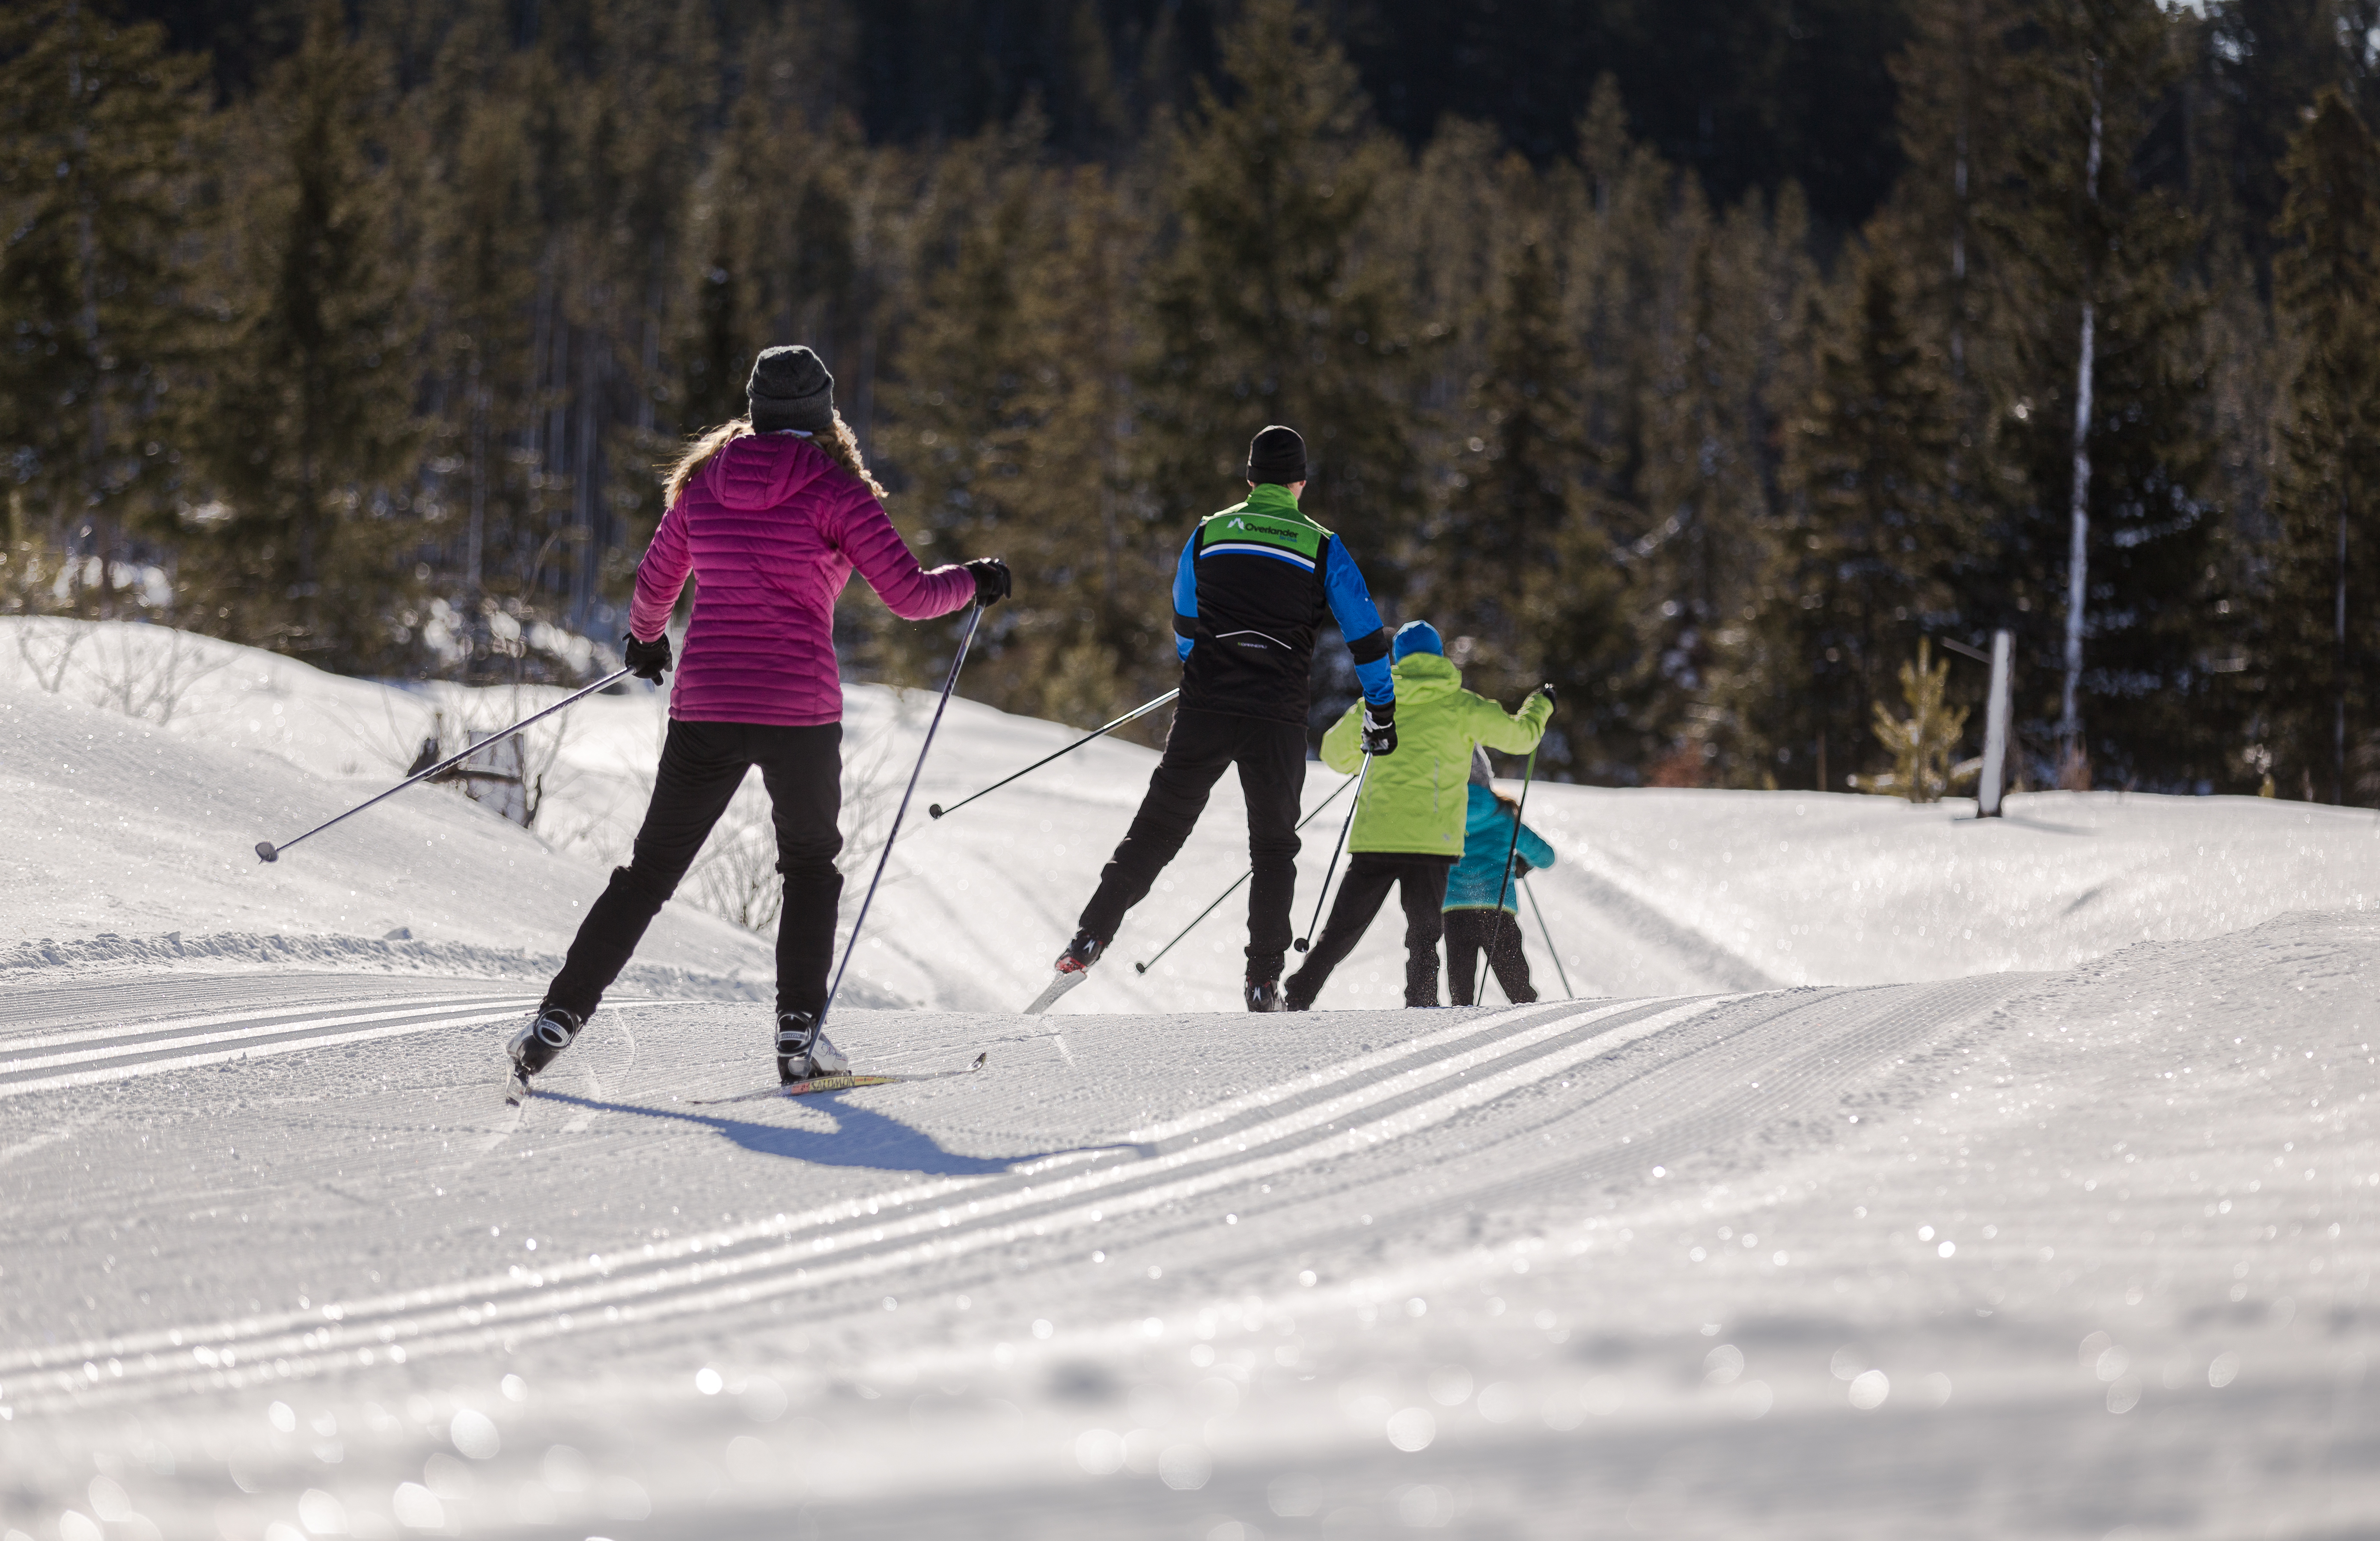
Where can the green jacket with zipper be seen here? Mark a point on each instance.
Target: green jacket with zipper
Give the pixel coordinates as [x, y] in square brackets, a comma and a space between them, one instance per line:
[1418, 799]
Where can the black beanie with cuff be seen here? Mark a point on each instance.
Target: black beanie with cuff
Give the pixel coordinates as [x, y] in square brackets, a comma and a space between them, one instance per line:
[791, 388]
[1277, 455]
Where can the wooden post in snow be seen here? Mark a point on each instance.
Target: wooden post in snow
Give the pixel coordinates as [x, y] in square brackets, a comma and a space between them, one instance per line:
[1995, 730]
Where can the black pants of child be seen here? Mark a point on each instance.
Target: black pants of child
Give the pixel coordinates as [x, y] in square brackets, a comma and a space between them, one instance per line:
[1421, 883]
[702, 765]
[1497, 933]
[1199, 748]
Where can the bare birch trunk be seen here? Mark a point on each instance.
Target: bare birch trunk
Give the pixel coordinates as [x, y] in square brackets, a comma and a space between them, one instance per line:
[2077, 563]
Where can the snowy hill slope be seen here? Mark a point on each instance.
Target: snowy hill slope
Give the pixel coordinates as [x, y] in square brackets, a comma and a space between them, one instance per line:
[1657, 891]
[130, 841]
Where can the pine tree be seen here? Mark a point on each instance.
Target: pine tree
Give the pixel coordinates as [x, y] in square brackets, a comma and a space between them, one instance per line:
[2321, 618]
[2105, 388]
[1267, 311]
[313, 425]
[1011, 381]
[486, 254]
[99, 131]
[778, 233]
[1520, 571]
[1871, 531]
[1920, 743]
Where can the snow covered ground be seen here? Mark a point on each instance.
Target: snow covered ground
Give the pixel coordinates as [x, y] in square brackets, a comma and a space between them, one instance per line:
[2049, 1211]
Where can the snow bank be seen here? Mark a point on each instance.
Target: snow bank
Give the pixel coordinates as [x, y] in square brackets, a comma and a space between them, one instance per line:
[148, 761]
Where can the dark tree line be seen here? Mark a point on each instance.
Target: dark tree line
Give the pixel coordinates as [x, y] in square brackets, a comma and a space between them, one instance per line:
[1702, 358]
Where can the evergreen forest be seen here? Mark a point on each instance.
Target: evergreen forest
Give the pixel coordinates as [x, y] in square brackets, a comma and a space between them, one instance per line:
[1706, 359]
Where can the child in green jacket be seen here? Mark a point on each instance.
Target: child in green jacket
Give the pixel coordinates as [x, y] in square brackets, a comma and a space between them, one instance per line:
[1409, 823]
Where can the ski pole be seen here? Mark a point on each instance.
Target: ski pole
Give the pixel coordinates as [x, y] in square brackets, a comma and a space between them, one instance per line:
[937, 811]
[267, 851]
[974, 618]
[1548, 932]
[1144, 967]
[1332, 870]
[1506, 887]
[1526, 777]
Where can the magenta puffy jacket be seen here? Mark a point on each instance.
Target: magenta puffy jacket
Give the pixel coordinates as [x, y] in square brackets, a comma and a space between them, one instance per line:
[770, 530]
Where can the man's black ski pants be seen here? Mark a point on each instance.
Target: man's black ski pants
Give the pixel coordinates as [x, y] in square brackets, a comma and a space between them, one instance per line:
[1421, 883]
[1470, 932]
[703, 765]
[1199, 748]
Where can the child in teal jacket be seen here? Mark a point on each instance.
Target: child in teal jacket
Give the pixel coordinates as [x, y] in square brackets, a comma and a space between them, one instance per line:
[1475, 922]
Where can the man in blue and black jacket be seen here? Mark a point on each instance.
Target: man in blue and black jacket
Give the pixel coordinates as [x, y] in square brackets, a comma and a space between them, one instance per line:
[1252, 590]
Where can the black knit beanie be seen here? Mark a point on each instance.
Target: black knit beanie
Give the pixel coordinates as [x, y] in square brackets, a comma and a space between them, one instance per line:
[1277, 454]
[790, 388]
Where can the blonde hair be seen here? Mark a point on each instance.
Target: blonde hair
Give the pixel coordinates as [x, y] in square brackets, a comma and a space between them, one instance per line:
[841, 444]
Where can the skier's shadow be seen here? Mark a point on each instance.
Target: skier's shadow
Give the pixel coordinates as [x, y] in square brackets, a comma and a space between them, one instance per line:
[862, 1137]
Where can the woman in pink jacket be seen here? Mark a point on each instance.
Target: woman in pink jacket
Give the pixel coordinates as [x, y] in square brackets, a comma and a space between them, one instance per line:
[770, 514]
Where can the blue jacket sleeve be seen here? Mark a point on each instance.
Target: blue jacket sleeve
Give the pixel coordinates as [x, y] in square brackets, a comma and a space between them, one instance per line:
[1534, 849]
[1359, 621]
[1186, 597]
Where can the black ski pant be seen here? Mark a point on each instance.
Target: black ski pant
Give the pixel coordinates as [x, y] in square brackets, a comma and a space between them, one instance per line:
[1496, 932]
[1421, 883]
[703, 765]
[1199, 748]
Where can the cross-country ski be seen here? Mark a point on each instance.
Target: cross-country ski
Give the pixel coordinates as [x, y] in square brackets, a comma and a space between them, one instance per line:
[847, 1081]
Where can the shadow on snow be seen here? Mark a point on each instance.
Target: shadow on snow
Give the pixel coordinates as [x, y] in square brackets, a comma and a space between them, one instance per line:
[862, 1137]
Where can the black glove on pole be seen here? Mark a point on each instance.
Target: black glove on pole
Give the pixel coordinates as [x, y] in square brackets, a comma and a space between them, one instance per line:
[1380, 728]
[648, 661]
[993, 582]
[974, 618]
[267, 851]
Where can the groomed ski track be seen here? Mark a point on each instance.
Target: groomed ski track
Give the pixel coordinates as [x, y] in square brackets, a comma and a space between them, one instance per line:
[1579, 1267]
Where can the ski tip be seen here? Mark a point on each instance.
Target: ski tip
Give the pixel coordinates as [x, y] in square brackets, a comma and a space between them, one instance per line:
[264, 851]
[979, 1059]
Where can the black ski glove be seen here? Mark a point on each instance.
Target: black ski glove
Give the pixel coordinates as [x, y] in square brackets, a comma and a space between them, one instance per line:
[991, 581]
[648, 661]
[1547, 690]
[1380, 728]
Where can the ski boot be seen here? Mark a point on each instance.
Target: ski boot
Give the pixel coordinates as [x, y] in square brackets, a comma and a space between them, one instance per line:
[1080, 954]
[1264, 995]
[534, 1047]
[804, 1051]
[1074, 967]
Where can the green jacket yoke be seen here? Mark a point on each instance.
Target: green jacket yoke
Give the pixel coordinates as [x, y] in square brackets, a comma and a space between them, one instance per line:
[1417, 800]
